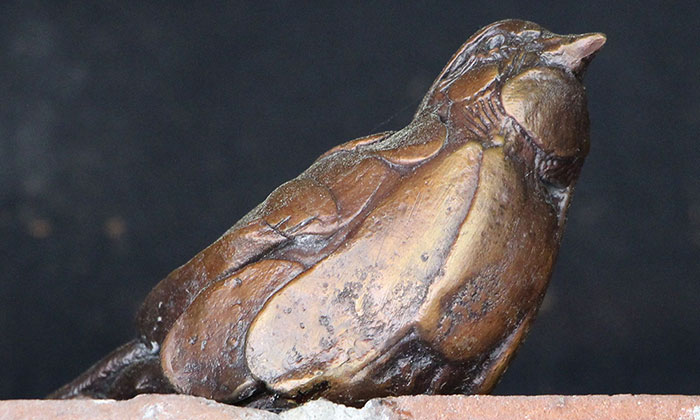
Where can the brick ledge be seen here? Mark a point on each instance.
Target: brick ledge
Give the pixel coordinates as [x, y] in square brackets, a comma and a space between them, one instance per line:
[545, 407]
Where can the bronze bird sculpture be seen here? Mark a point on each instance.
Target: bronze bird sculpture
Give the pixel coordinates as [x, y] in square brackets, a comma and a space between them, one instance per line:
[403, 262]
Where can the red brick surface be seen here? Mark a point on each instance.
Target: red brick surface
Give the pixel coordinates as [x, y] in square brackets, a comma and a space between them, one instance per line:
[546, 407]
[167, 407]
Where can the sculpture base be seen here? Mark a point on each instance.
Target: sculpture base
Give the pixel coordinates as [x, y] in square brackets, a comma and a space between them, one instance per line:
[478, 407]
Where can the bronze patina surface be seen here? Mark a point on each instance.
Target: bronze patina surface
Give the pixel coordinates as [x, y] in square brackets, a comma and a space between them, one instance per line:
[404, 262]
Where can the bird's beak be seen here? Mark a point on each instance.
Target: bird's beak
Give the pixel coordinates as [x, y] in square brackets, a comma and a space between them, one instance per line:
[575, 51]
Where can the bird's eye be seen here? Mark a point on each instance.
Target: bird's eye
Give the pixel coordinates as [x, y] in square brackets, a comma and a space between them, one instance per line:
[495, 42]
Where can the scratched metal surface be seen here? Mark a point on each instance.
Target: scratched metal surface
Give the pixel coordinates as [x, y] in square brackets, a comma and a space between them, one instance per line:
[133, 136]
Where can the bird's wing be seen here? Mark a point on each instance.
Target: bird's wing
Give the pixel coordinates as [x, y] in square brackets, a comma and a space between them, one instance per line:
[211, 300]
[298, 225]
[329, 324]
[298, 217]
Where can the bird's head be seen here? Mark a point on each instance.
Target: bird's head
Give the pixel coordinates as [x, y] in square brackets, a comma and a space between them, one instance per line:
[516, 85]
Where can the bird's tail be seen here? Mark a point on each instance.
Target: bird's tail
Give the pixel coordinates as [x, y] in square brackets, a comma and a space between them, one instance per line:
[131, 369]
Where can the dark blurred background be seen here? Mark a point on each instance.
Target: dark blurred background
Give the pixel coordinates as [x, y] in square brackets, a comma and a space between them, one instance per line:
[132, 136]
